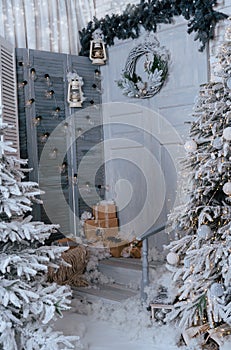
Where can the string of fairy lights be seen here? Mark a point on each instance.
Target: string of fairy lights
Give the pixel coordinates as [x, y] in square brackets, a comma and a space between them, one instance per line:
[55, 112]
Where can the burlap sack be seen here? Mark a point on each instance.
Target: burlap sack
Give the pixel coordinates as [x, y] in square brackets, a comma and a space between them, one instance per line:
[71, 275]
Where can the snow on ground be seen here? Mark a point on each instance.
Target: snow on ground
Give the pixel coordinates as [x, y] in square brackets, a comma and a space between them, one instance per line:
[127, 325]
[119, 326]
[100, 334]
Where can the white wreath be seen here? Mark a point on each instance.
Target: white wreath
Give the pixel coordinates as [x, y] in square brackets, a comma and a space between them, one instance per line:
[133, 85]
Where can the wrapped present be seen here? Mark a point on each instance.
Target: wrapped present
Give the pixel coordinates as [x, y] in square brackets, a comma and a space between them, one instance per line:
[195, 331]
[92, 223]
[108, 223]
[117, 248]
[219, 333]
[115, 244]
[211, 336]
[104, 210]
[92, 232]
[95, 233]
[133, 250]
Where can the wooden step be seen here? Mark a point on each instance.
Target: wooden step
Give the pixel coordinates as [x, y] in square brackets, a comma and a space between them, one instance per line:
[126, 274]
[123, 271]
[114, 293]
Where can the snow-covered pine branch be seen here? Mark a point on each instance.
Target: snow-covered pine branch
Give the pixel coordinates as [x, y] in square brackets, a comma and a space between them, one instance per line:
[27, 301]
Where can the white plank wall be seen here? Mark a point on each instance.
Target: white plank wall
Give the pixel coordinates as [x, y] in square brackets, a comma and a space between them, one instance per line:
[162, 124]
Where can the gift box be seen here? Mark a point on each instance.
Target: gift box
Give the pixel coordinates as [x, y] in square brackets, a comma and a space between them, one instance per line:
[92, 223]
[104, 211]
[116, 248]
[115, 244]
[102, 223]
[92, 231]
[95, 233]
[108, 223]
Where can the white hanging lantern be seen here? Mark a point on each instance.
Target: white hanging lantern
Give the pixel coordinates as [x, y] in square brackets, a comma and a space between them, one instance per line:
[97, 48]
[75, 96]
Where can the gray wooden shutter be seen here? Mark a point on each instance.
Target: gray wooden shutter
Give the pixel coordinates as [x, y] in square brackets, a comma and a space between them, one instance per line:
[9, 93]
[92, 136]
[57, 66]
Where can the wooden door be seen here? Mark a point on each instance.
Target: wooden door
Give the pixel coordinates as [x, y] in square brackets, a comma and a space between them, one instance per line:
[157, 125]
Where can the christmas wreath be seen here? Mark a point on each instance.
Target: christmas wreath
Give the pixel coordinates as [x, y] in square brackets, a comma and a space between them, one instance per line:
[155, 67]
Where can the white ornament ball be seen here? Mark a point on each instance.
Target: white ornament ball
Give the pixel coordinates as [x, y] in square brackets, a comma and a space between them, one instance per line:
[228, 83]
[204, 232]
[227, 133]
[227, 188]
[190, 146]
[172, 258]
[217, 290]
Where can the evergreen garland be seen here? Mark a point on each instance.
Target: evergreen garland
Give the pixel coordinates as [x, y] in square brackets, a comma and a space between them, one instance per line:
[201, 17]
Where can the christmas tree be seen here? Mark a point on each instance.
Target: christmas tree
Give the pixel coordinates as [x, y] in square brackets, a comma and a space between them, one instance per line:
[28, 302]
[200, 255]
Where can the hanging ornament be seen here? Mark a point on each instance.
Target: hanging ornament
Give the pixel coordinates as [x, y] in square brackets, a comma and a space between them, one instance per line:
[53, 153]
[204, 232]
[49, 94]
[33, 74]
[37, 120]
[217, 290]
[56, 113]
[97, 48]
[227, 188]
[172, 258]
[217, 143]
[22, 84]
[75, 95]
[227, 133]
[190, 146]
[44, 137]
[48, 79]
[228, 83]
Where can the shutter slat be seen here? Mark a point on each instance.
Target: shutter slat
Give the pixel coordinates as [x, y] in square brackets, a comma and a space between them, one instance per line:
[8, 93]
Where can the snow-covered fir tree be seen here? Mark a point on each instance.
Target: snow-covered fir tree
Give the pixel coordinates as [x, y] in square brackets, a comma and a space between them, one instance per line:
[27, 302]
[200, 255]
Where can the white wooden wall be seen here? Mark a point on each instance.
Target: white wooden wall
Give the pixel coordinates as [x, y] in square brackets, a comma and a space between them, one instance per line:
[164, 116]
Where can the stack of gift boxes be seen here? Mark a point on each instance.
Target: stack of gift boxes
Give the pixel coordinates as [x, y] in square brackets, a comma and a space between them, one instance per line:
[103, 228]
[104, 223]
